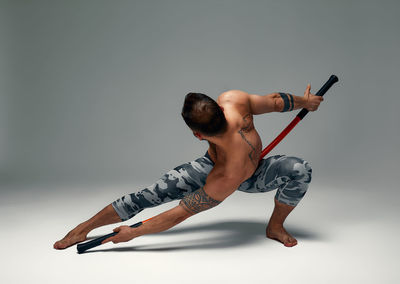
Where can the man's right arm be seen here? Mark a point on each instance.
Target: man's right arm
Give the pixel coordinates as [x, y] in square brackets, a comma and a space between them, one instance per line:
[283, 102]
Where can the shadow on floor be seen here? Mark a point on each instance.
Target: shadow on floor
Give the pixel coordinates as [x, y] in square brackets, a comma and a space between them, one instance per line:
[236, 233]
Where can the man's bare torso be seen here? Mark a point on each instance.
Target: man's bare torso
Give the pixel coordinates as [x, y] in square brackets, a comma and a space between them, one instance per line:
[241, 145]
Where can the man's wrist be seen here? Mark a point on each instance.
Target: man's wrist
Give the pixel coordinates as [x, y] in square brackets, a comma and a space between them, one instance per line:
[299, 102]
[135, 232]
[304, 102]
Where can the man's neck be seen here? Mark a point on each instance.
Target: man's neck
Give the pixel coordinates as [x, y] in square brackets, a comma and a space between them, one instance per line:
[214, 141]
[219, 143]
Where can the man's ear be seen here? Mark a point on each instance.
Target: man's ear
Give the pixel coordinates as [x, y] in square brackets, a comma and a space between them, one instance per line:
[198, 135]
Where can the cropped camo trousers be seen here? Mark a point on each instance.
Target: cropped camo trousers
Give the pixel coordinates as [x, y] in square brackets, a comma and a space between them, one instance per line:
[289, 175]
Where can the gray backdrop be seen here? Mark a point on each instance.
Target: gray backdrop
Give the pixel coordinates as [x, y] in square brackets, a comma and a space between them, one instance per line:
[90, 101]
[91, 91]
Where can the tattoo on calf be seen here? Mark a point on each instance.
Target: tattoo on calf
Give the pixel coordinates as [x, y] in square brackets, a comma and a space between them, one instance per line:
[198, 201]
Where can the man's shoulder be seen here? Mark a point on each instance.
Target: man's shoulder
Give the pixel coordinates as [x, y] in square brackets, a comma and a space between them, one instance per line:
[238, 96]
[233, 93]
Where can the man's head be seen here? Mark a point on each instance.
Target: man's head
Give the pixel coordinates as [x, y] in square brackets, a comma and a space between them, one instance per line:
[203, 115]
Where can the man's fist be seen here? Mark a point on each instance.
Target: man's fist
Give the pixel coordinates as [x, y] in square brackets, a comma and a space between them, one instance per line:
[124, 234]
[312, 101]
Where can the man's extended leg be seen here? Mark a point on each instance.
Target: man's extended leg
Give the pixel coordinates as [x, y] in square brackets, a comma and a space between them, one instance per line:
[78, 234]
[291, 177]
[173, 185]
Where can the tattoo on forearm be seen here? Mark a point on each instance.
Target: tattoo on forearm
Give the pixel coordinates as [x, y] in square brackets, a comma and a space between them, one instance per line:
[198, 201]
[288, 103]
[247, 128]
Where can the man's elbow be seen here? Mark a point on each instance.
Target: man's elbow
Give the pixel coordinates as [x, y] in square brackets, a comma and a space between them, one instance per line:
[233, 179]
[229, 186]
[278, 105]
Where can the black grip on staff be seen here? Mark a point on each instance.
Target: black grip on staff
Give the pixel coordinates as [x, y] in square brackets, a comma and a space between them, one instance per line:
[96, 242]
[332, 80]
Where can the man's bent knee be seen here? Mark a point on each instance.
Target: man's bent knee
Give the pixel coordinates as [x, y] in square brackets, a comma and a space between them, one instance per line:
[298, 174]
[296, 169]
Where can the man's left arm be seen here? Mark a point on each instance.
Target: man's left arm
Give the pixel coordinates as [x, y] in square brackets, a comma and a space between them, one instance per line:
[159, 223]
[219, 185]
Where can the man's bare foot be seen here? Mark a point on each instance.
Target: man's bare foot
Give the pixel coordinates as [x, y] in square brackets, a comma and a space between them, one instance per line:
[279, 233]
[70, 239]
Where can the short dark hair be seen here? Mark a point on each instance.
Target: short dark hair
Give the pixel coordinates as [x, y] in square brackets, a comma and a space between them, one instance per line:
[201, 113]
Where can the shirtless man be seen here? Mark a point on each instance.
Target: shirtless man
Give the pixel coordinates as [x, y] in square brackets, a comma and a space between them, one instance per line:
[231, 163]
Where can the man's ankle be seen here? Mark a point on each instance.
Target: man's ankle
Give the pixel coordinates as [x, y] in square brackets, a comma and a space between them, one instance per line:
[274, 224]
[82, 228]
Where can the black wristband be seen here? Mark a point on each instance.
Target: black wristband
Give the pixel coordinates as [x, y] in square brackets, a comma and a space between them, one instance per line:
[285, 101]
[291, 101]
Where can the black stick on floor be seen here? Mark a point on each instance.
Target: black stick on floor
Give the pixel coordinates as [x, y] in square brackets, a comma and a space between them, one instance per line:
[96, 242]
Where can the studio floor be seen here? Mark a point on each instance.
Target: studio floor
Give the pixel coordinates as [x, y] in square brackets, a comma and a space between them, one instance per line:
[345, 235]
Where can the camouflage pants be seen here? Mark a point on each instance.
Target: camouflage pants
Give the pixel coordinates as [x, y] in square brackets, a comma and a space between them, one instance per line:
[289, 175]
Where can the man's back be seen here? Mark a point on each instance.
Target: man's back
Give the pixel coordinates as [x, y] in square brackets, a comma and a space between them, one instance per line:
[240, 147]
